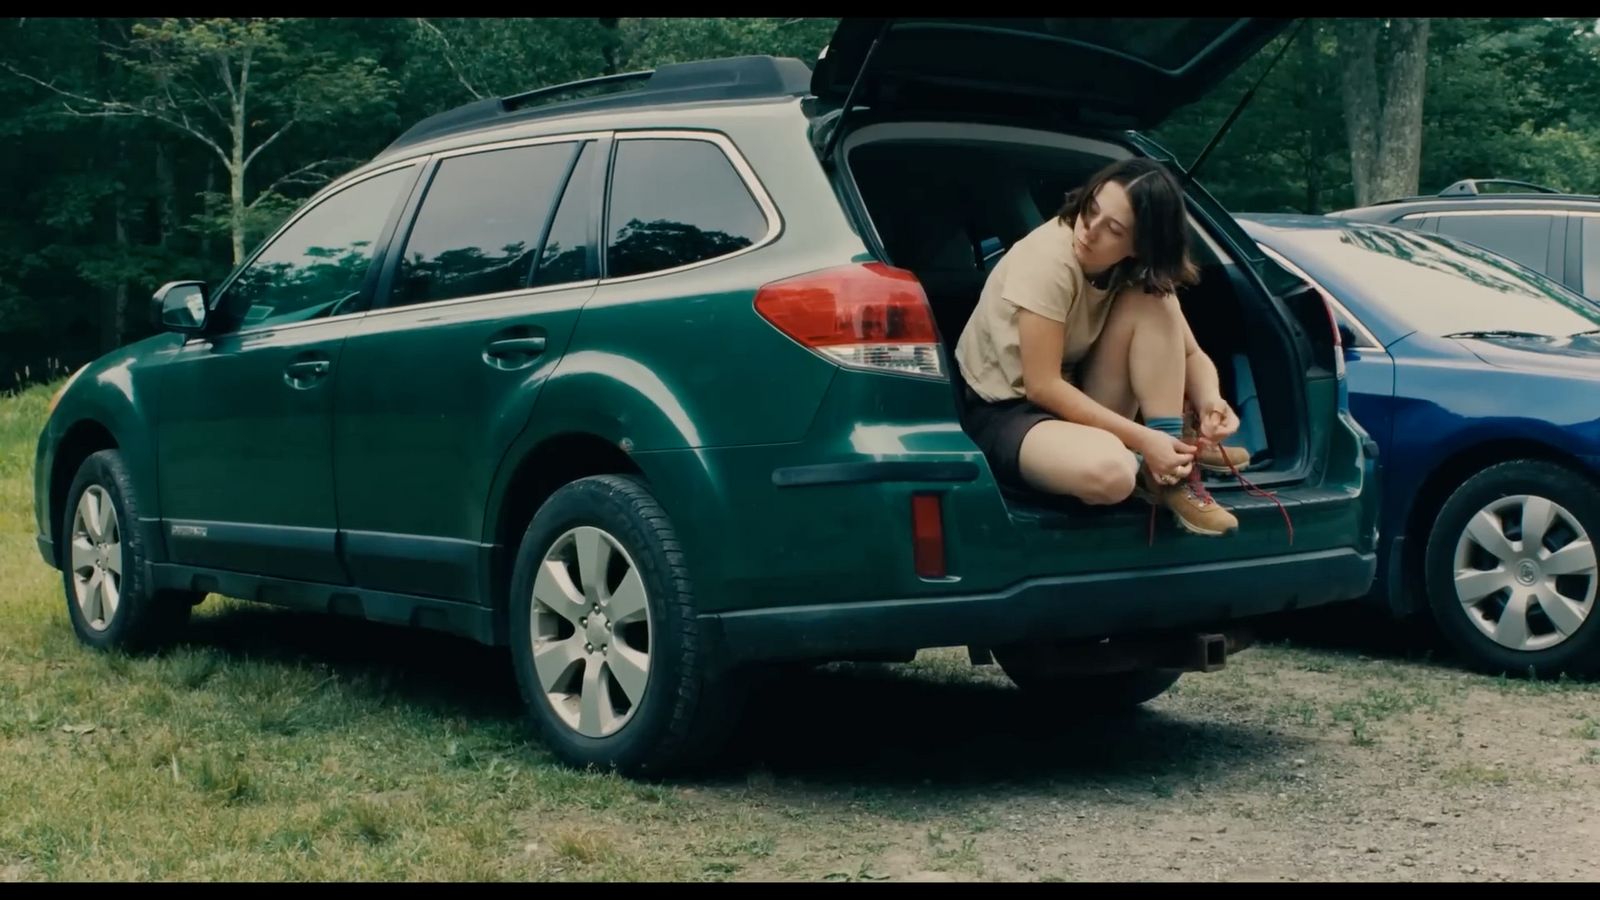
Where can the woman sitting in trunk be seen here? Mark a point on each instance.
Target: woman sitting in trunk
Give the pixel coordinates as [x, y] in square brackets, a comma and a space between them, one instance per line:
[1077, 333]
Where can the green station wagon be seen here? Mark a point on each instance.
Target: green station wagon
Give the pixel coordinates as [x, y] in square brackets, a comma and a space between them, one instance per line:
[654, 386]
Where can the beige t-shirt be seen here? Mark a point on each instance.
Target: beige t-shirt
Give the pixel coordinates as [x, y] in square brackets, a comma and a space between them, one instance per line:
[1040, 273]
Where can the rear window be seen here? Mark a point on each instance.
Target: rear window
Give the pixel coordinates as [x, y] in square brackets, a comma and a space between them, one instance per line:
[1524, 238]
[676, 201]
[480, 224]
[565, 257]
[1591, 256]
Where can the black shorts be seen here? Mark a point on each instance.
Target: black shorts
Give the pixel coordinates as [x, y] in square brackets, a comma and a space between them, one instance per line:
[998, 430]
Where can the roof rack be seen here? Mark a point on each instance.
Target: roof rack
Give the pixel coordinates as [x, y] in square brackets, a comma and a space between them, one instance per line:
[1468, 186]
[731, 78]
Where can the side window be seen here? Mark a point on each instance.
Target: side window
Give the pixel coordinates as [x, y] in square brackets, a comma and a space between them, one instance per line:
[480, 223]
[565, 257]
[674, 202]
[318, 265]
[1591, 255]
[1525, 239]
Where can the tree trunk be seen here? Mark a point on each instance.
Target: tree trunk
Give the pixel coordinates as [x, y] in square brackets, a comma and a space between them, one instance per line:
[1385, 133]
[1400, 147]
[211, 189]
[236, 207]
[1310, 99]
[113, 324]
[1358, 84]
[236, 187]
[112, 300]
[608, 49]
[166, 194]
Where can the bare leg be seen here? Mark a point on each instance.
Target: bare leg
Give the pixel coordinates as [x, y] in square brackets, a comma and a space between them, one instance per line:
[1137, 365]
[1078, 460]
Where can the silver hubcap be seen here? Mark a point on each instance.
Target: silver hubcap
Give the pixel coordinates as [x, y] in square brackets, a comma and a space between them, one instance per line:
[96, 558]
[591, 632]
[1525, 573]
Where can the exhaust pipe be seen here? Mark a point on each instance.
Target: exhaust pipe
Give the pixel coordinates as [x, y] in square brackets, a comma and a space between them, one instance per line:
[1208, 653]
[1179, 651]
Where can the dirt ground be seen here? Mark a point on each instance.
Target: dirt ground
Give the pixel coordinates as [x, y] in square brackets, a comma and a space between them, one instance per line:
[1358, 759]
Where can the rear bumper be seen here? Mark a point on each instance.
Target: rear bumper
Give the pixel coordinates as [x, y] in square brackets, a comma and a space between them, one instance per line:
[1067, 608]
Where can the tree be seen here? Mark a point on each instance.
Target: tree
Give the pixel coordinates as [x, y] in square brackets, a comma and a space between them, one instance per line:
[237, 86]
[1286, 151]
[469, 59]
[1384, 127]
[654, 42]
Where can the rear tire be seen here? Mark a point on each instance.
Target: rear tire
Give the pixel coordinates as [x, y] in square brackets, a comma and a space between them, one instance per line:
[110, 602]
[1477, 542]
[601, 564]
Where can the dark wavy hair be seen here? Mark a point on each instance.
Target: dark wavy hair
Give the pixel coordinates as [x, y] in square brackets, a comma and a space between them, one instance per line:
[1160, 263]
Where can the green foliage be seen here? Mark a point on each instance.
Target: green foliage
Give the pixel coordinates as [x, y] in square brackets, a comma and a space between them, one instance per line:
[99, 205]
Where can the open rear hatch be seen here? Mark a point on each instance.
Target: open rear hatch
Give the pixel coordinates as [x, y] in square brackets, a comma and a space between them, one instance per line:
[1109, 72]
[1069, 77]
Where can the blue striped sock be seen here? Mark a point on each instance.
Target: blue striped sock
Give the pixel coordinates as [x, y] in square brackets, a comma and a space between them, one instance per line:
[1172, 425]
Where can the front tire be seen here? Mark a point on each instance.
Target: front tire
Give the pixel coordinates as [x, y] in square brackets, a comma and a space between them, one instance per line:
[609, 656]
[110, 602]
[1511, 574]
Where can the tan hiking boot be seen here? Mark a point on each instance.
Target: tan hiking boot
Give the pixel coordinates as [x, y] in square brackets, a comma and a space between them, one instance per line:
[1214, 458]
[1191, 504]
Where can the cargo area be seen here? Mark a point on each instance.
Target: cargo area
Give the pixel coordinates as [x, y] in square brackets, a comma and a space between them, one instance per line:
[946, 201]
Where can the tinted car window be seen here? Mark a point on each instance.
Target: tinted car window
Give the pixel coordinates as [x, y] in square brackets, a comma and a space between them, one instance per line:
[675, 202]
[1525, 239]
[318, 265]
[480, 223]
[565, 256]
[1442, 286]
[1591, 254]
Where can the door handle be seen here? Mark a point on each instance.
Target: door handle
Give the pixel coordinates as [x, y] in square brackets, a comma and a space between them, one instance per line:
[516, 346]
[302, 373]
[509, 354]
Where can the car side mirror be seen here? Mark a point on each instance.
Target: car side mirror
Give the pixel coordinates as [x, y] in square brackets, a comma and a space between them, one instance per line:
[1347, 336]
[180, 306]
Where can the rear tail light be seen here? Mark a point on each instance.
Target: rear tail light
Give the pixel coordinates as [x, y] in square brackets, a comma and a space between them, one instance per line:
[1338, 340]
[927, 536]
[868, 316]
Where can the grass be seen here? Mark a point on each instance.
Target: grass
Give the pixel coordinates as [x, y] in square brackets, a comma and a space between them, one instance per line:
[272, 745]
[1471, 775]
[226, 759]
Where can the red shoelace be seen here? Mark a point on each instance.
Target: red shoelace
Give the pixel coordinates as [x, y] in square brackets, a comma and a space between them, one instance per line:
[1198, 488]
[1255, 491]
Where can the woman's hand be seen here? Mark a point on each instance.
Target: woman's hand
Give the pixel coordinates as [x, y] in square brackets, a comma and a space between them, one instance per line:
[1218, 421]
[1168, 458]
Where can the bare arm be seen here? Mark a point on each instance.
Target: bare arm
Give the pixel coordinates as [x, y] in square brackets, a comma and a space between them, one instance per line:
[1203, 391]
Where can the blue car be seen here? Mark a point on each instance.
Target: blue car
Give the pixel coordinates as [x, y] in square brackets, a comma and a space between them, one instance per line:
[1480, 381]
